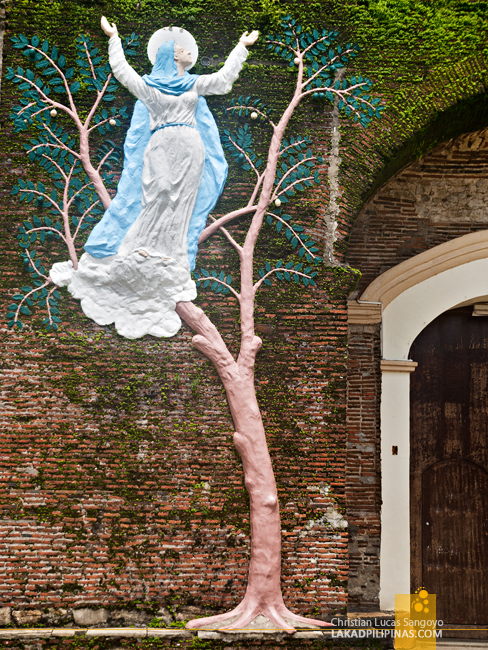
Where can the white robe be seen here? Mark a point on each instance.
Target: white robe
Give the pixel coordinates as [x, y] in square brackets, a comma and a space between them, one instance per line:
[138, 288]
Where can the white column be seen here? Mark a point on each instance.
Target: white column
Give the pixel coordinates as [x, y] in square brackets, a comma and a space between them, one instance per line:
[395, 480]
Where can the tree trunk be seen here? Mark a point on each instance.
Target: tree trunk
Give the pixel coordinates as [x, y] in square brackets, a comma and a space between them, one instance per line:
[264, 584]
[263, 594]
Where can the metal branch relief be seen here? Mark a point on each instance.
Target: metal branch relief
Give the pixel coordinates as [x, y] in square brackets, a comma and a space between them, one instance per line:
[136, 270]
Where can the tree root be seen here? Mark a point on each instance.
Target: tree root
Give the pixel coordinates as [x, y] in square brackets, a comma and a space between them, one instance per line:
[248, 611]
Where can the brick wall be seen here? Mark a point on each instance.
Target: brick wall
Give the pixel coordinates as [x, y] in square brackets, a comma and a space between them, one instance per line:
[363, 488]
[119, 483]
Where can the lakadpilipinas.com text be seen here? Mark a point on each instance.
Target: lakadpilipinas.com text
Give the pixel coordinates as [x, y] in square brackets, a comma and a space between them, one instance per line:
[383, 628]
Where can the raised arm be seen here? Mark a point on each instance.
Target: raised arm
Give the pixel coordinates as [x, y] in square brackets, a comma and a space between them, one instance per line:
[220, 83]
[123, 72]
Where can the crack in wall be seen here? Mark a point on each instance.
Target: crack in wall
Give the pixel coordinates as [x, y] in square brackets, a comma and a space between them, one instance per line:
[333, 209]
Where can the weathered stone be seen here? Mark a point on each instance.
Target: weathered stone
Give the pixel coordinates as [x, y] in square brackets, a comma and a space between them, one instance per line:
[27, 616]
[208, 634]
[187, 612]
[25, 634]
[56, 616]
[164, 615]
[117, 631]
[122, 632]
[243, 635]
[131, 617]
[66, 631]
[5, 616]
[177, 634]
[88, 617]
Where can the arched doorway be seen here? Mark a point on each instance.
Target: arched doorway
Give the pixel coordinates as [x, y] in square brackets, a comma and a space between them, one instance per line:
[403, 301]
[449, 466]
[409, 278]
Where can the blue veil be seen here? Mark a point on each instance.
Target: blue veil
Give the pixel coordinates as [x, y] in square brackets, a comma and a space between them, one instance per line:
[106, 237]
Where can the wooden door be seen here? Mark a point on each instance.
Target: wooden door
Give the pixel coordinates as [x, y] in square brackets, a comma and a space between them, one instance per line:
[449, 466]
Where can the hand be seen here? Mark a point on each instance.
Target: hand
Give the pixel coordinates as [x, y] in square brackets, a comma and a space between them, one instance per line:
[249, 39]
[110, 30]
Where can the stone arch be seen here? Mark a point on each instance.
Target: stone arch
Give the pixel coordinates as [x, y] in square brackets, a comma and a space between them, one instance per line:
[458, 117]
[450, 101]
[442, 196]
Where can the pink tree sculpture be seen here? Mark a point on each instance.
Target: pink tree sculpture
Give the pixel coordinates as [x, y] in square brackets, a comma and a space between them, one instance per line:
[317, 58]
[288, 169]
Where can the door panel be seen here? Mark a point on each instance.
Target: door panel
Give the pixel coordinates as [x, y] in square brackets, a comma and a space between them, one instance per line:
[455, 540]
[448, 465]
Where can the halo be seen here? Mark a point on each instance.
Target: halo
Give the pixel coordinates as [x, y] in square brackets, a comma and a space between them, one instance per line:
[183, 38]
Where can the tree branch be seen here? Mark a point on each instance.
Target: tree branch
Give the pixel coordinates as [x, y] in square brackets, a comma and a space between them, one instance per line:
[55, 230]
[65, 81]
[48, 306]
[255, 110]
[287, 225]
[231, 239]
[288, 47]
[244, 154]
[102, 122]
[281, 269]
[85, 214]
[289, 187]
[290, 171]
[31, 263]
[209, 230]
[54, 162]
[17, 311]
[65, 213]
[208, 339]
[324, 67]
[212, 279]
[46, 108]
[55, 205]
[46, 98]
[104, 159]
[256, 188]
[290, 146]
[26, 107]
[90, 62]
[343, 94]
[75, 194]
[309, 47]
[100, 94]
[61, 144]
